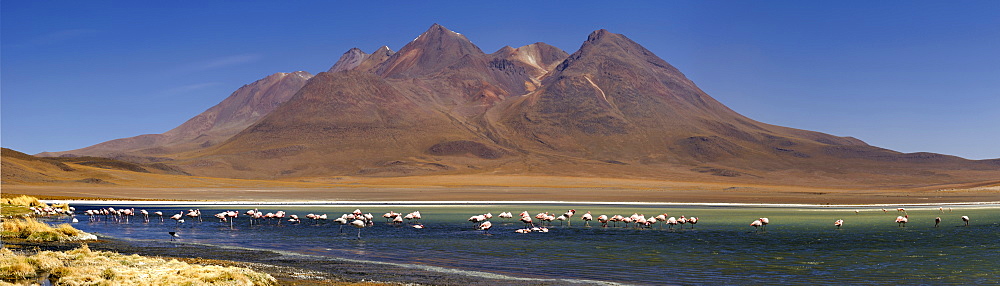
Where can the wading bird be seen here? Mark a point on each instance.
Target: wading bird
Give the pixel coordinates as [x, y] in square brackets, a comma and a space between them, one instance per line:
[937, 221]
[838, 223]
[901, 220]
[966, 220]
[359, 224]
[485, 227]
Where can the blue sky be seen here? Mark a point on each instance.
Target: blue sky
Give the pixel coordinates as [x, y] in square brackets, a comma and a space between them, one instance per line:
[910, 76]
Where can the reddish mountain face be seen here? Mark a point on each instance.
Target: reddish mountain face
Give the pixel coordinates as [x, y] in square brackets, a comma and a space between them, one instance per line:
[612, 108]
[241, 109]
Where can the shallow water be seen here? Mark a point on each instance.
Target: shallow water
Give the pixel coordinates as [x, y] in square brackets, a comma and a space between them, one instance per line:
[800, 246]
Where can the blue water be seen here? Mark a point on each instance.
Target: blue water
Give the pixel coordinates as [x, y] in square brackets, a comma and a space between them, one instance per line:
[800, 246]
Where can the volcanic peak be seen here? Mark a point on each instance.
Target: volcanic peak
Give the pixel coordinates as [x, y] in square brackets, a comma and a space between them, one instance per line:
[434, 50]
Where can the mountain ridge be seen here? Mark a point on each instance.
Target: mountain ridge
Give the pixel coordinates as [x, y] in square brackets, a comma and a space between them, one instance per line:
[440, 105]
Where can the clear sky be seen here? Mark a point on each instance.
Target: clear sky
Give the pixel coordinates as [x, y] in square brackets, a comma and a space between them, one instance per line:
[910, 76]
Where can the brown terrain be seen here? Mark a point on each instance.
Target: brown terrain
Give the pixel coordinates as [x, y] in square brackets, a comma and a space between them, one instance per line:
[442, 119]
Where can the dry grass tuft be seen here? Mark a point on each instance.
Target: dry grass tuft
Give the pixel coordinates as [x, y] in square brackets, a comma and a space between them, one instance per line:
[24, 201]
[33, 230]
[82, 266]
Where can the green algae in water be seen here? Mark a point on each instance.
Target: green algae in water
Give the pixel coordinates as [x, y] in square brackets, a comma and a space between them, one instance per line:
[799, 246]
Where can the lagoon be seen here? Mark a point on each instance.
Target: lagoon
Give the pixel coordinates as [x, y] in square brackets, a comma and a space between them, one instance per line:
[800, 246]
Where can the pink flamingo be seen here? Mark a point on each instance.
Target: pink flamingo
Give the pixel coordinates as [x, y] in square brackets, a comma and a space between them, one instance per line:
[177, 217]
[587, 217]
[756, 224]
[603, 219]
[485, 227]
[569, 214]
[527, 220]
[901, 220]
[671, 222]
[693, 221]
[937, 221]
[838, 223]
[359, 224]
[966, 220]
[342, 220]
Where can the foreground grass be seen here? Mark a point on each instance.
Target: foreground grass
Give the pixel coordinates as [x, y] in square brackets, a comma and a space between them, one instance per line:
[32, 230]
[82, 266]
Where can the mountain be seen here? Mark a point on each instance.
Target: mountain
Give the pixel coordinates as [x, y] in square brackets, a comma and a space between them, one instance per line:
[440, 105]
[243, 107]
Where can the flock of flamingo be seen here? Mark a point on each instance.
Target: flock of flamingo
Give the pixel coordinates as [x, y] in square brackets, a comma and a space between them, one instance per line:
[360, 220]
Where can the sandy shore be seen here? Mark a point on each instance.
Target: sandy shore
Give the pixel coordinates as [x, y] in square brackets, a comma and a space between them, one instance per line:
[994, 204]
[617, 195]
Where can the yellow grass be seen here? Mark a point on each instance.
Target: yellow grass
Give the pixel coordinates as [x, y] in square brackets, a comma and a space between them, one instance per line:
[33, 230]
[23, 201]
[82, 266]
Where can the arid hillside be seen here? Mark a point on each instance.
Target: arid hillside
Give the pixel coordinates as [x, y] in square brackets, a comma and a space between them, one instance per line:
[442, 106]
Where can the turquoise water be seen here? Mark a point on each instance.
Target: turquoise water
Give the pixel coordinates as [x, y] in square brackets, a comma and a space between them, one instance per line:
[800, 246]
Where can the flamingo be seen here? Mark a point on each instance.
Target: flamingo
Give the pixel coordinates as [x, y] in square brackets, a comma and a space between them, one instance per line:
[173, 235]
[966, 220]
[485, 227]
[359, 224]
[693, 221]
[587, 217]
[756, 224]
[194, 214]
[397, 220]
[477, 219]
[232, 216]
[838, 223]
[569, 214]
[527, 220]
[389, 216]
[901, 220]
[417, 216]
[177, 217]
[764, 221]
[145, 215]
[279, 215]
[159, 214]
[671, 222]
[221, 216]
[257, 216]
[506, 215]
[603, 219]
[937, 221]
[342, 220]
[561, 219]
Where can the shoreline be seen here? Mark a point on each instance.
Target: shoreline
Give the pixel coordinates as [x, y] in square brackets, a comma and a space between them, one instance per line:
[987, 204]
[302, 269]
